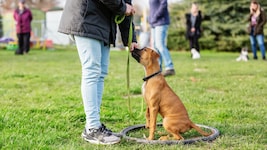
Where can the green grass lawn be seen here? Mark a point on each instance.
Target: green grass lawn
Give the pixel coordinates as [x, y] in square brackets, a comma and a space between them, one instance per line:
[41, 106]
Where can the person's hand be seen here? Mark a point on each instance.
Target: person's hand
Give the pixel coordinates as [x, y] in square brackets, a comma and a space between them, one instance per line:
[193, 29]
[129, 10]
[133, 45]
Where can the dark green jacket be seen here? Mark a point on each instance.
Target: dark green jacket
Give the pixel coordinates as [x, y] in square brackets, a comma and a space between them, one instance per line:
[261, 21]
[95, 19]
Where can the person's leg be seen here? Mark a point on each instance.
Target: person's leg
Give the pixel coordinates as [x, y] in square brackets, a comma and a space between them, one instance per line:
[94, 57]
[153, 43]
[89, 51]
[104, 71]
[195, 49]
[144, 39]
[19, 51]
[26, 41]
[197, 44]
[191, 42]
[253, 46]
[260, 40]
[160, 45]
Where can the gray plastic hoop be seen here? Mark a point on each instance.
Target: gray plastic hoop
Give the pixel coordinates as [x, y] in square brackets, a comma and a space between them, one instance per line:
[213, 136]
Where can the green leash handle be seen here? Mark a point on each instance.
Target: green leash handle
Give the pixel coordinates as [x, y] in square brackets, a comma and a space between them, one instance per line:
[119, 19]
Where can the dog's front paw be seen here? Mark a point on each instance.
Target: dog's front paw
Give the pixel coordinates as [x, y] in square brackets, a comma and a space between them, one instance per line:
[150, 138]
[147, 126]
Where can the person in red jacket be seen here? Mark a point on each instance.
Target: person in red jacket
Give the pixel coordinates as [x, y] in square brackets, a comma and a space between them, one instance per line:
[23, 18]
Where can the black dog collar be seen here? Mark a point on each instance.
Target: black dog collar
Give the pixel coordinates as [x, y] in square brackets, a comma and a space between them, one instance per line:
[150, 76]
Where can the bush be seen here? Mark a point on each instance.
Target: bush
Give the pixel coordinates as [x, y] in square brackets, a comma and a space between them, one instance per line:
[176, 39]
[224, 25]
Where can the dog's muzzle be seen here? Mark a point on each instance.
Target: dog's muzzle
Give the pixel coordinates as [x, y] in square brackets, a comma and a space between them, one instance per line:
[136, 54]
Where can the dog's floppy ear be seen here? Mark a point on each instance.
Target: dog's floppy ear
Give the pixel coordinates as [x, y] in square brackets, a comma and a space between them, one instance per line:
[155, 53]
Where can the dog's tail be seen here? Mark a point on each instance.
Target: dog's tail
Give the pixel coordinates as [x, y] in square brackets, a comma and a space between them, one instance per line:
[199, 130]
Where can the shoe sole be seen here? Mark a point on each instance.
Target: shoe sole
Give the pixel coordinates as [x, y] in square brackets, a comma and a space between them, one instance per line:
[96, 141]
[168, 74]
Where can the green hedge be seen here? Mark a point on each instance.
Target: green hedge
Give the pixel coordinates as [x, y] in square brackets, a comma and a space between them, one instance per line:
[224, 25]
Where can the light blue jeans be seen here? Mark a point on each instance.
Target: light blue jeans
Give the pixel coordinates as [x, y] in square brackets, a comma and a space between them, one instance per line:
[94, 57]
[159, 36]
[253, 41]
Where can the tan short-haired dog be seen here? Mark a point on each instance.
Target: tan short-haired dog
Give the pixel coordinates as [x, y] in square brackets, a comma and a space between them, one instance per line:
[160, 98]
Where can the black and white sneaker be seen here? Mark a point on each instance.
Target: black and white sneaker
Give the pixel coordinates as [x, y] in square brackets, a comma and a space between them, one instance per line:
[102, 136]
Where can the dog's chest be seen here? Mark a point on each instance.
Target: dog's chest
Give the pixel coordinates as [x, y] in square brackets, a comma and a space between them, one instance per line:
[144, 88]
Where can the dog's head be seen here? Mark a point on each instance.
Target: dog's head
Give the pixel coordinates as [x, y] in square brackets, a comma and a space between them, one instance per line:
[145, 56]
[244, 51]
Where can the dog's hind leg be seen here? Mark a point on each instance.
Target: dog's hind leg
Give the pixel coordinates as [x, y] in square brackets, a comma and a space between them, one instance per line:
[172, 129]
[176, 135]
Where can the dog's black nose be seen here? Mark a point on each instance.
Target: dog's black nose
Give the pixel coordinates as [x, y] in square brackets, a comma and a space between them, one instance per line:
[136, 55]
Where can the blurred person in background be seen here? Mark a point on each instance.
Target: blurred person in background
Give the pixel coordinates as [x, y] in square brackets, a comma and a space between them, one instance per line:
[193, 30]
[23, 18]
[257, 20]
[159, 21]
